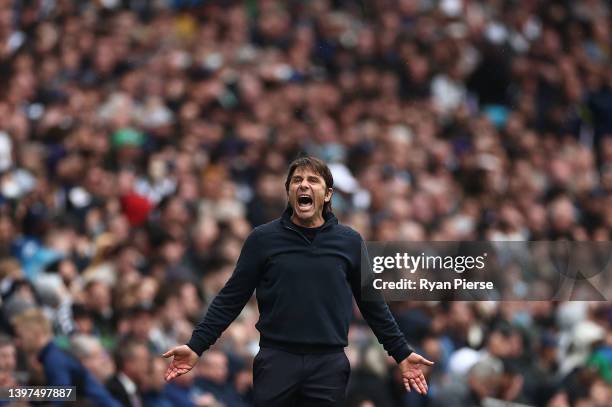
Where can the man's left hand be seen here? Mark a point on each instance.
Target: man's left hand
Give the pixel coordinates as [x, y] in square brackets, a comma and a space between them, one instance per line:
[412, 373]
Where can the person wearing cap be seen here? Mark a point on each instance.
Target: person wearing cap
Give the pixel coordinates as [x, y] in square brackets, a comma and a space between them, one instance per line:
[127, 143]
[305, 268]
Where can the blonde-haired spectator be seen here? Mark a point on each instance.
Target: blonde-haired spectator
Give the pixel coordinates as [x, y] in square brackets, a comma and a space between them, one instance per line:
[34, 337]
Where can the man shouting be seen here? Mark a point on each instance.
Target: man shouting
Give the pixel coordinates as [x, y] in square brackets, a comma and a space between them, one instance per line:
[305, 268]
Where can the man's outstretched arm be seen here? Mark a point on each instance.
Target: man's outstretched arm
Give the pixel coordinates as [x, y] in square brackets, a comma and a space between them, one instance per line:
[383, 324]
[224, 308]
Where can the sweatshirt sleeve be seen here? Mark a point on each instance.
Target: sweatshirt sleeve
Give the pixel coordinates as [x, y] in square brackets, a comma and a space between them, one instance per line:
[376, 312]
[232, 298]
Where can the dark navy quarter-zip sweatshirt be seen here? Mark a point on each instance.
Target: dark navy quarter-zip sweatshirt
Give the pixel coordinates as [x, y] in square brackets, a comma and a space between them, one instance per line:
[304, 291]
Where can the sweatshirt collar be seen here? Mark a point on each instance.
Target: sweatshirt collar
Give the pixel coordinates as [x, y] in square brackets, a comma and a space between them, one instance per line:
[328, 217]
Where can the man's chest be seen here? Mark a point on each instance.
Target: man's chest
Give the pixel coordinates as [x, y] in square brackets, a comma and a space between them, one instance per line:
[322, 259]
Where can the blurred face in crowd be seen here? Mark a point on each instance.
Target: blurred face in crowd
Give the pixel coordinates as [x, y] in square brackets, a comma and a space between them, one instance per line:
[84, 324]
[8, 358]
[307, 194]
[499, 345]
[32, 333]
[485, 386]
[214, 367]
[141, 324]
[170, 312]
[189, 299]
[31, 337]
[99, 363]
[99, 297]
[156, 380]
[26, 341]
[137, 367]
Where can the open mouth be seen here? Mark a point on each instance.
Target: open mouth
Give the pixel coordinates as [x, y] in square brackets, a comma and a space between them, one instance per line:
[304, 202]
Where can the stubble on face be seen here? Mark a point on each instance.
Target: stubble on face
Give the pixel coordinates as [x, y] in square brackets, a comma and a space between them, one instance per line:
[307, 196]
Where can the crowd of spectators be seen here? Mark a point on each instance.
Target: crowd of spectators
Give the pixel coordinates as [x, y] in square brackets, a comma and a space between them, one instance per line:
[141, 140]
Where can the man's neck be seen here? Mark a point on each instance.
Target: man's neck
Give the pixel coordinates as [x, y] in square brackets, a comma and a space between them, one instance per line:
[43, 341]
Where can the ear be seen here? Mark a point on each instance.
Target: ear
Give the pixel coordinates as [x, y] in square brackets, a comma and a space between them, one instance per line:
[328, 194]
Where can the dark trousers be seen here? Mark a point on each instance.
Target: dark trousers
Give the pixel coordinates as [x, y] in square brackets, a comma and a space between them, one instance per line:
[283, 379]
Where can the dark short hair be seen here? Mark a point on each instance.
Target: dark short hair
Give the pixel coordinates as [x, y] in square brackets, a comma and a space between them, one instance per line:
[6, 340]
[124, 352]
[319, 167]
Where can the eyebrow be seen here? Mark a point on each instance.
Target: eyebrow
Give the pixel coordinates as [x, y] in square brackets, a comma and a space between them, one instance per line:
[309, 177]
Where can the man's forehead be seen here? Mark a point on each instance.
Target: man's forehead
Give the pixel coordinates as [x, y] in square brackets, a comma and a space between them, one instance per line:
[305, 172]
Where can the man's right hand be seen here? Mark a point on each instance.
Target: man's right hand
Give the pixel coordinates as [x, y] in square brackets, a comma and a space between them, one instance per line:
[184, 360]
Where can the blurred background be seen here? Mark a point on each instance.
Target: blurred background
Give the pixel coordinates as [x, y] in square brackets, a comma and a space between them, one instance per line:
[142, 140]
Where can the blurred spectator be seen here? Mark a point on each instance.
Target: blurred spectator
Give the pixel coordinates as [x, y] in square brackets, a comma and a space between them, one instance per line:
[8, 362]
[34, 337]
[171, 316]
[89, 351]
[212, 377]
[483, 380]
[154, 395]
[139, 325]
[132, 359]
[98, 304]
[182, 392]
[601, 358]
